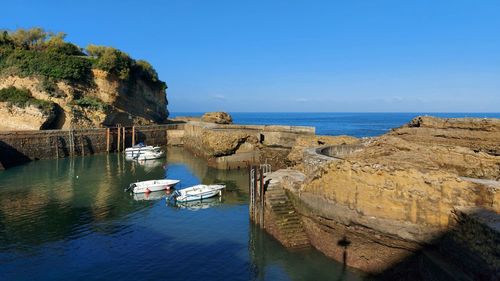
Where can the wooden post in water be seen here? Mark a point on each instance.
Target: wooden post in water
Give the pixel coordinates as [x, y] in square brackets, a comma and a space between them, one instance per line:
[123, 135]
[133, 135]
[118, 130]
[255, 179]
[261, 193]
[81, 145]
[107, 140]
[250, 191]
[57, 147]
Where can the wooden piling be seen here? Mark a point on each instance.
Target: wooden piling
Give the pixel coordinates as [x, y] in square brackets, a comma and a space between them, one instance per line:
[107, 140]
[261, 194]
[81, 145]
[57, 147]
[256, 195]
[118, 130]
[133, 135]
[123, 136]
[250, 191]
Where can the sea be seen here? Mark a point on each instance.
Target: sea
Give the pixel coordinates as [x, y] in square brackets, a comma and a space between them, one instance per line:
[333, 124]
[72, 219]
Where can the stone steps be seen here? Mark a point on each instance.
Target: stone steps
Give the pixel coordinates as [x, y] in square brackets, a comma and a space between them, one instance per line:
[287, 219]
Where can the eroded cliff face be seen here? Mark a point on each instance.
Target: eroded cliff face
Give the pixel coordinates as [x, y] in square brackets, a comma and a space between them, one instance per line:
[116, 102]
[384, 201]
[237, 146]
[28, 118]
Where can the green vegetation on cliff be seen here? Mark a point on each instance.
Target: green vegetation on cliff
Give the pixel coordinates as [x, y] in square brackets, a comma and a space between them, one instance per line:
[35, 52]
[91, 102]
[22, 98]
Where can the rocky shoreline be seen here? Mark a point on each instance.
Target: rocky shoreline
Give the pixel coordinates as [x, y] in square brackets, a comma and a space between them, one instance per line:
[418, 201]
[426, 193]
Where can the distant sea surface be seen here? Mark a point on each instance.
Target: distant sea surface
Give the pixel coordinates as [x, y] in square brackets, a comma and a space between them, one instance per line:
[352, 124]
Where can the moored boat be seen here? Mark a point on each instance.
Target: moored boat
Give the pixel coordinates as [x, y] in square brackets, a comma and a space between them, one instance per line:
[136, 150]
[152, 185]
[198, 192]
[149, 155]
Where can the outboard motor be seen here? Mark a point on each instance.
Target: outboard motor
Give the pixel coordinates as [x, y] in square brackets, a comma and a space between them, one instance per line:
[131, 187]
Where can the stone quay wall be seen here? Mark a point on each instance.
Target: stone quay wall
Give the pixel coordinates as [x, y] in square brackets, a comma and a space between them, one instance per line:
[237, 146]
[17, 147]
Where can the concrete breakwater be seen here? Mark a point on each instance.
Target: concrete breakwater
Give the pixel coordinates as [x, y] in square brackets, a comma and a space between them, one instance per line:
[224, 146]
[17, 147]
[238, 146]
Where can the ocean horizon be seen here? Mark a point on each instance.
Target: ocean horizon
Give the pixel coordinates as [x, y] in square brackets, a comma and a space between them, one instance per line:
[356, 124]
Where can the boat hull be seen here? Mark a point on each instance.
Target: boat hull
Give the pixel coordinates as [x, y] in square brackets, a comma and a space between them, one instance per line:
[198, 192]
[151, 186]
[204, 195]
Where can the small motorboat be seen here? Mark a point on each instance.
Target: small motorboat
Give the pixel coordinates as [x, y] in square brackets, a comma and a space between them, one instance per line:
[149, 155]
[152, 185]
[136, 150]
[198, 192]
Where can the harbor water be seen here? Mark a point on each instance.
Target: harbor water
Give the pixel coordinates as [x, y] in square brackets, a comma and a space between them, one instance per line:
[70, 219]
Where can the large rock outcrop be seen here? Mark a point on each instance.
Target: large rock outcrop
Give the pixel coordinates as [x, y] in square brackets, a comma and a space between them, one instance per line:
[237, 146]
[104, 102]
[477, 134]
[217, 118]
[379, 202]
[27, 118]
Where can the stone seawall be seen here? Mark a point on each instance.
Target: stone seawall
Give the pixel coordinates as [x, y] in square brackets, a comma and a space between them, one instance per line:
[17, 147]
[237, 146]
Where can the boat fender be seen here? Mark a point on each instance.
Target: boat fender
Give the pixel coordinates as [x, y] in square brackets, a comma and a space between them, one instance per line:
[147, 190]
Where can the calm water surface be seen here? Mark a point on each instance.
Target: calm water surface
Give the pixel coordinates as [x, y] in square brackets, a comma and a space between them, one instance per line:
[70, 219]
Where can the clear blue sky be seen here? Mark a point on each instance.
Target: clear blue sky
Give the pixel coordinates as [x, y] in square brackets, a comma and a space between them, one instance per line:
[296, 55]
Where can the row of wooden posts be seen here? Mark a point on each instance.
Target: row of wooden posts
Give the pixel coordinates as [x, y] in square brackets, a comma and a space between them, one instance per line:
[120, 143]
[257, 191]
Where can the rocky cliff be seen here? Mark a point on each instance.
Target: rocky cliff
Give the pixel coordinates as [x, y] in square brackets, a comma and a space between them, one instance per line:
[93, 87]
[390, 196]
[106, 102]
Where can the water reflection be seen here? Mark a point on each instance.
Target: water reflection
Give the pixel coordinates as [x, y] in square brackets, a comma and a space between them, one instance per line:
[48, 200]
[155, 195]
[72, 214]
[270, 261]
[199, 204]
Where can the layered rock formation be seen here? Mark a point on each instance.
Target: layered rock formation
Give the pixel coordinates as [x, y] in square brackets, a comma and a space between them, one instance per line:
[217, 118]
[104, 102]
[237, 146]
[27, 118]
[381, 201]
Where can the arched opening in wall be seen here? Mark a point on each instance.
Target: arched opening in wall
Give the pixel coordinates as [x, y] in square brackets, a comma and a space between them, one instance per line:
[261, 138]
[58, 121]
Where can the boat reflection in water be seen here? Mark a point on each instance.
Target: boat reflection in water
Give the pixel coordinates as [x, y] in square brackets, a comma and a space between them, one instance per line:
[150, 163]
[155, 195]
[199, 204]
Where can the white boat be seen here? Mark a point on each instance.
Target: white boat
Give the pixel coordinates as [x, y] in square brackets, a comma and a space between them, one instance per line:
[198, 192]
[152, 185]
[134, 151]
[149, 155]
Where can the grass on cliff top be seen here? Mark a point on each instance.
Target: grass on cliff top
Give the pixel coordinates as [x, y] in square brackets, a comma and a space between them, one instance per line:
[35, 52]
[92, 103]
[22, 98]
